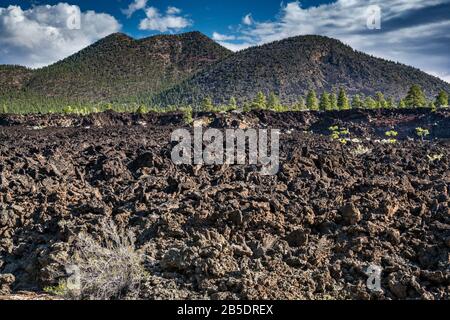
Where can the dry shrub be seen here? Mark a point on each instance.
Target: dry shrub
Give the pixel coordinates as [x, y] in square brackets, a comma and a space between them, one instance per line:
[108, 268]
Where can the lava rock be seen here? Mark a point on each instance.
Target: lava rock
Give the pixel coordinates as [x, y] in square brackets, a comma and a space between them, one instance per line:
[6, 280]
[350, 214]
[297, 238]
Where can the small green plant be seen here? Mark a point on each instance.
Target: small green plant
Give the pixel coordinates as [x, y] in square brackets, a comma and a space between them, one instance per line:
[333, 128]
[334, 132]
[422, 133]
[391, 133]
[344, 132]
[335, 135]
[340, 134]
[60, 290]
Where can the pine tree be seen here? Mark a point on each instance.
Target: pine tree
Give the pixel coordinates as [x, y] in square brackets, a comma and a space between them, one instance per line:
[356, 102]
[370, 103]
[390, 103]
[233, 103]
[311, 101]
[380, 100]
[247, 107]
[188, 115]
[142, 109]
[442, 99]
[415, 97]
[207, 105]
[333, 101]
[4, 109]
[273, 102]
[402, 104]
[260, 101]
[343, 103]
[325, 104]
[300, 105]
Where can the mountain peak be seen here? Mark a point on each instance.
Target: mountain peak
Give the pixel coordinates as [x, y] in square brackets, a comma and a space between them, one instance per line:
[194, 34]
[119, 66]
[120, 36]
[117, 36]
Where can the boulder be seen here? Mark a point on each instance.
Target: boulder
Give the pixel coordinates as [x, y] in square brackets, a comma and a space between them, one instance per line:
[350, 214]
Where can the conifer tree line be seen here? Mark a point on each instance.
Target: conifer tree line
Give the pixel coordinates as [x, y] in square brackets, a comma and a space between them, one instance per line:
[340, 100]
[326, 101]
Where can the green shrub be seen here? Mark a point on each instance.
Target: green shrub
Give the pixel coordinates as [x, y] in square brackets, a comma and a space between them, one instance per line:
[391, 133]
[422, 133]
[340, 134]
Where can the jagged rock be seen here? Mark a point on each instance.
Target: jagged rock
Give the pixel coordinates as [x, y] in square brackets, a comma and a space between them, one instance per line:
[297, 238]
[390, 209]
[227, 231]
[447, 242]
[6, 280]
[173, 260]
[394, 236]
[236, 217]
[350, 214]
[398, 288]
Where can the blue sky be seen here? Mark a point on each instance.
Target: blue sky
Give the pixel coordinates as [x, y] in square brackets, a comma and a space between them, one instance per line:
[416, 32]
[207, 16]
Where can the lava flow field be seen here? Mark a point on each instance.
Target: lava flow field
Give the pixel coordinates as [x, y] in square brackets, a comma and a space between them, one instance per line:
[226, 232]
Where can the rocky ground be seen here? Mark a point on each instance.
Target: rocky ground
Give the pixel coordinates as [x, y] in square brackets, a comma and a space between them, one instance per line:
[225, 232]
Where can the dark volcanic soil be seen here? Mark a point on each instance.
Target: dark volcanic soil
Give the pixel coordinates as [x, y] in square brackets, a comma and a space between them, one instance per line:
[310, 232]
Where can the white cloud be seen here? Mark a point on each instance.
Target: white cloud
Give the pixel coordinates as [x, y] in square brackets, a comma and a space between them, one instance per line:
[134, 6]
[346, 20]
[173, 10]
[157, 21]
[222, 37]
[247, 20]
[45, 34]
